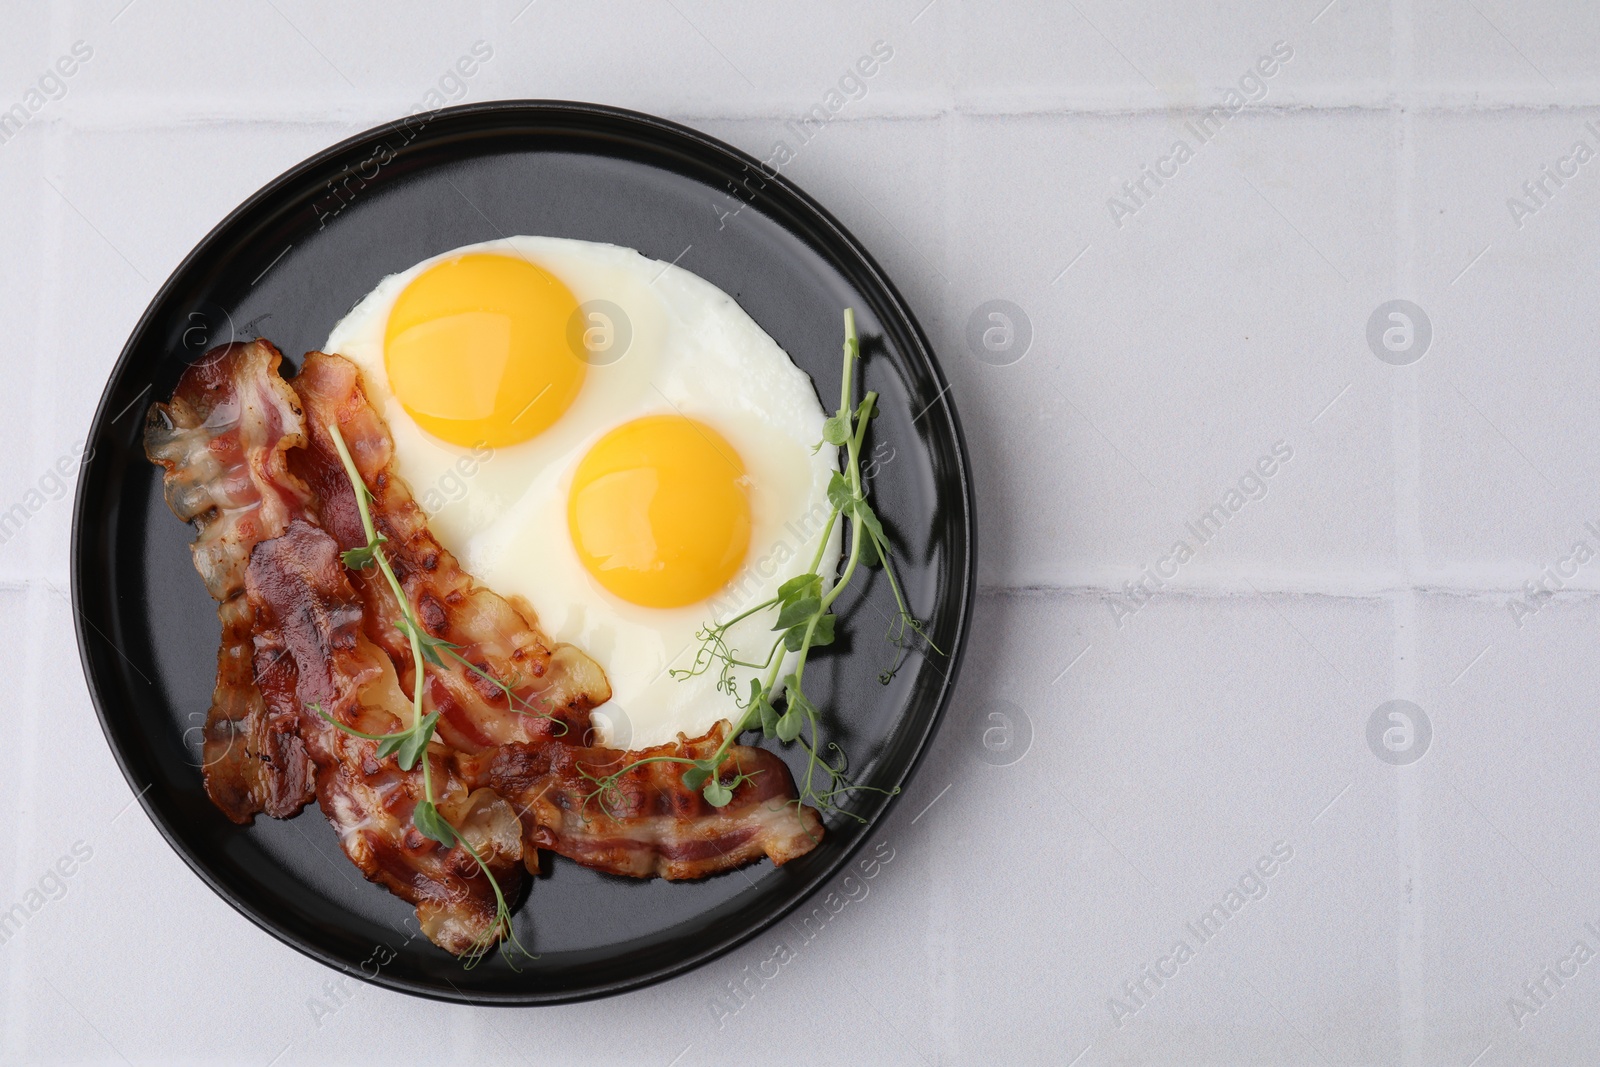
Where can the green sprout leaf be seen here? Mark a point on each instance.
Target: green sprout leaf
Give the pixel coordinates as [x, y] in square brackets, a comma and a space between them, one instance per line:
[389, 745]
[796, 713]
[769, 717]
[359, 559]
[799, 587]
[797, 697]
[427, 819]
[867, 517]
[821, 634]
[836, 430]
[717, 794]
[430, 644]
[696, 776]
[870, 556]
[799, 611]
[839, 492]
[414, 745]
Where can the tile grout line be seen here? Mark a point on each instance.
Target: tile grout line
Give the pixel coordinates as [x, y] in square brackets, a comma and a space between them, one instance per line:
[134, 113]
[1406, 435]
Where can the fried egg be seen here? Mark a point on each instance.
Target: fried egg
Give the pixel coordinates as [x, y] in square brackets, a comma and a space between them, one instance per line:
[612, 439]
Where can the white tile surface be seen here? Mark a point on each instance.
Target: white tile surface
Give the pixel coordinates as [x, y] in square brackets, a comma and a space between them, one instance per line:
[1172, 745]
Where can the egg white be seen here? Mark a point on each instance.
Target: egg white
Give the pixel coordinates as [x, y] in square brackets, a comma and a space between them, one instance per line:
[503, 511]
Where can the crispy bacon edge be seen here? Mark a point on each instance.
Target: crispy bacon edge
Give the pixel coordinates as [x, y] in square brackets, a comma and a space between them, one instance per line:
[555, 685]
[312, 655]
[222, 442]
[650, 824]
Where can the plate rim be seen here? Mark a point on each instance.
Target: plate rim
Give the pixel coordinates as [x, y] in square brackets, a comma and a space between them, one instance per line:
[961, 600]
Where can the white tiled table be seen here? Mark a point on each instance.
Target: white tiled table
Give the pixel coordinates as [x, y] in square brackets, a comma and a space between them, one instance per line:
[1173, 746]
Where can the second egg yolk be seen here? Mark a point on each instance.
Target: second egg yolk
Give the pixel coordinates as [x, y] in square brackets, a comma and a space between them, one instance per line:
[476, 350]
[659, 511]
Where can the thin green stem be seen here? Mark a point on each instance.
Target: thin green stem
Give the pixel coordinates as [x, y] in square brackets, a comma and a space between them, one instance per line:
[641, 763]
[852, 350]
[358, 486]
[501, 930]
[351, 730]
[743, 615]
[827, 531]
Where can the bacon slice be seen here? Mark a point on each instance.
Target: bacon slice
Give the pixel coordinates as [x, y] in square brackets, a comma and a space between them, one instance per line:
[251, 461]
[650, 824]
[222, 442]
[554, 685]
[311, 652]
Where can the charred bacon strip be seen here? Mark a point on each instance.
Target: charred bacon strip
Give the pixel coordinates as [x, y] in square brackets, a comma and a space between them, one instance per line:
[222, 442]
[311, 652]
[650, 824]
[553, 685]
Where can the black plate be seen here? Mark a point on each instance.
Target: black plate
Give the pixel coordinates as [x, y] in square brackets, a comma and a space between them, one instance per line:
[287, 265]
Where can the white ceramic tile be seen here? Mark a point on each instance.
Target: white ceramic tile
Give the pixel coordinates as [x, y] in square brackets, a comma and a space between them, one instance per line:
[1155, 808]
[65, 1009]
[1105, 56]
[1508, 730]
[291, 55]
[1502, 891]
[1494, 48]
[1013, 53]
[23, 268]
[1222, 317]
[1503, 474]
[1213, 47]
[712, 59]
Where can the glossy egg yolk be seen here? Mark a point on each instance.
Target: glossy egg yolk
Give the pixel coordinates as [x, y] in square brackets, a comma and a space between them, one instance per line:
[660, 511]
[476, 350]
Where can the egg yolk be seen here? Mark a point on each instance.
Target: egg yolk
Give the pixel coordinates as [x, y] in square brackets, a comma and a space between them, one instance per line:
[476, 350]
[660, 511]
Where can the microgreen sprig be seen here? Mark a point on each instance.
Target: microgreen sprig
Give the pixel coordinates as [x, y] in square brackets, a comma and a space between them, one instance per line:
[804, 621]
[432, 647]
[410, 745]
[717, 787]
